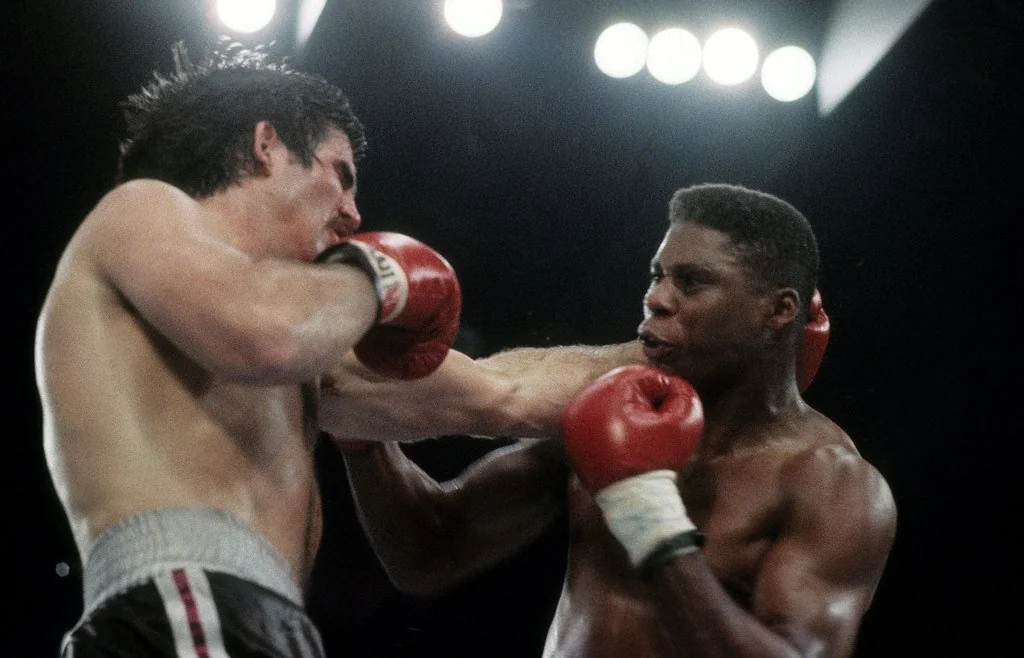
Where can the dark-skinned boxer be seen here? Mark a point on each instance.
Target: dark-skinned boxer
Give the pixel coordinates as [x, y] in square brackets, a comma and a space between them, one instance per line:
[767, 536]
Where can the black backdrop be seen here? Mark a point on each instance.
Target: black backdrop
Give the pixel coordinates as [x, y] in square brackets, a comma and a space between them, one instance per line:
[546, 187]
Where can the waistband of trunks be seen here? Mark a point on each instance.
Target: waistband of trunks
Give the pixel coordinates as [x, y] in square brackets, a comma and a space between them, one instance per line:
[138, 547]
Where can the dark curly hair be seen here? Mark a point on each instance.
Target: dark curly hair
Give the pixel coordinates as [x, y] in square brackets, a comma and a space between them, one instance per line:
[194, 128]
[772, 238]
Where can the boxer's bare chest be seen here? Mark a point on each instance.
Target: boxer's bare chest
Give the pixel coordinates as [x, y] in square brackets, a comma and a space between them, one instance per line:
[736, 503]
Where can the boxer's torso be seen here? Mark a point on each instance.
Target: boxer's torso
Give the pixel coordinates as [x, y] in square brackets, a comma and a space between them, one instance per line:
[605, 610]
[132, 424]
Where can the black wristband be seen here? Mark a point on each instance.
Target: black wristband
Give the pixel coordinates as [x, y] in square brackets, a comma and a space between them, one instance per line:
[348, 253]
[681, 544]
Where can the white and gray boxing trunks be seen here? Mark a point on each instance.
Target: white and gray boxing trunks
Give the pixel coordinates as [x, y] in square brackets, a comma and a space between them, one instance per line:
[180, 582]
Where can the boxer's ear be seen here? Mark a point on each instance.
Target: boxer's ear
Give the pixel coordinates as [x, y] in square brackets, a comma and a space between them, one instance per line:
[264, 143]
[784, 305]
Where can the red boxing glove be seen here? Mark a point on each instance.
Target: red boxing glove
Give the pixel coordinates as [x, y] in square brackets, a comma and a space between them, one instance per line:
[629, 421]
[812, 346]
[627, 434]
[420, 302]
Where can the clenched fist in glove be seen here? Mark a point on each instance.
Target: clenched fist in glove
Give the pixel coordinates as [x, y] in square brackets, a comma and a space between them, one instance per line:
[419, 302]
[627, 434]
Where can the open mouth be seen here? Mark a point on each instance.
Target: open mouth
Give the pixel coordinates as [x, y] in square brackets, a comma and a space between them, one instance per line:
[654, 348]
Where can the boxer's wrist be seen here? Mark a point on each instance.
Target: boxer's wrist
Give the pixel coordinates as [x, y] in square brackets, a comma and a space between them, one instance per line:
[671, 548]
[388, 277]
[644, 512]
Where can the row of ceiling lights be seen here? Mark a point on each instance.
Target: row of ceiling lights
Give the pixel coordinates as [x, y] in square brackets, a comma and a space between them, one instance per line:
[729, 56]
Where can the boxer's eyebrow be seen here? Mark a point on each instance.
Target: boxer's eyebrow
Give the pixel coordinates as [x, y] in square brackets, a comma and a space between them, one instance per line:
[693, 270]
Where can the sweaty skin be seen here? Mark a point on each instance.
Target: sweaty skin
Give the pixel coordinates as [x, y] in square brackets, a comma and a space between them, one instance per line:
[798, 525]
[744, 503]
[179, 348]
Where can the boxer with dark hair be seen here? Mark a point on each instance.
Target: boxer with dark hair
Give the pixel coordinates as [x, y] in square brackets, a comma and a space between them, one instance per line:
[180, 347]
[712, 511]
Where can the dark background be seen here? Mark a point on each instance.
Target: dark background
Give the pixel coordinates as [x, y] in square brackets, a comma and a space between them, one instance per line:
[545, 184]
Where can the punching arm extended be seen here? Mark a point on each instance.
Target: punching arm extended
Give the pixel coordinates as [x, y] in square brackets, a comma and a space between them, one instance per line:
[518, 392]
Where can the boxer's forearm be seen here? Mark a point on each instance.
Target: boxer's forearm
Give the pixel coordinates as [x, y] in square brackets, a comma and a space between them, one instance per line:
[544, 379]
[429, 536]
[397, 505]
[460, 398]
[518, 392]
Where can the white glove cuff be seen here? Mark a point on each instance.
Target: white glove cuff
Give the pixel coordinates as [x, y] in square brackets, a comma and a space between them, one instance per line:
[388, 277]
[644, 511]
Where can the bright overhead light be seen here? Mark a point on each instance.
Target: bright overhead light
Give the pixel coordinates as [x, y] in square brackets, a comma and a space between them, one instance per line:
[674, 56]
[788, 73]
[730, 56]
[306, 20]
[472, 18]
[621, 50]
[246, 16]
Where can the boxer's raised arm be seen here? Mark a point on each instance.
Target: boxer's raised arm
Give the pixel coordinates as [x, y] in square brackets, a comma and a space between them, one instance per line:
[259, 320]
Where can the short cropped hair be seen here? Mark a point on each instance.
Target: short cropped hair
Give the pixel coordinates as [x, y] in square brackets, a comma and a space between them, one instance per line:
[772, 238]
[194, 128]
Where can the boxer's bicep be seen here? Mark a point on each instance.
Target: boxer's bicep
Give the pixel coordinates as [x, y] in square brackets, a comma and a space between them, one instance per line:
[151, 243]
[499, 505]
[817, 579]
[260, 320]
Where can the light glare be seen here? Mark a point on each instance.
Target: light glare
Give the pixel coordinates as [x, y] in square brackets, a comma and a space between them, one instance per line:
[473, 18]
[246, 16]
[674, 56]
[621, 50]
[788, 73]
[730, 56]
[309, 14]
